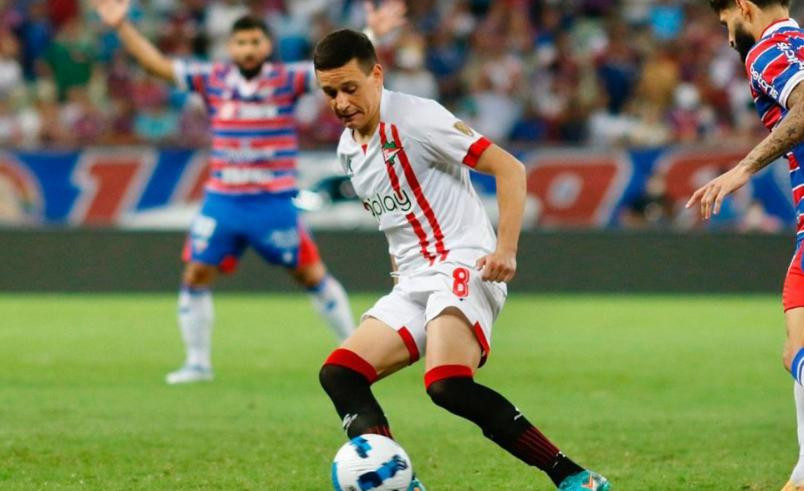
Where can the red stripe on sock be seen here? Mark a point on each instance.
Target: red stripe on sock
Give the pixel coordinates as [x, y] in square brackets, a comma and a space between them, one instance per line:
[535, 449]
[446, 371]
[380, 430]
[410, 344]
[350, 359]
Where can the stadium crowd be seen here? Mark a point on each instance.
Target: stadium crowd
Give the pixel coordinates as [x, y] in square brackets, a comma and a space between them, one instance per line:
[631, 72]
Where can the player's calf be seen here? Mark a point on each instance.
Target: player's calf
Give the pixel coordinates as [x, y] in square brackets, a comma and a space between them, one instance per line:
[347, 379]
[453, 388]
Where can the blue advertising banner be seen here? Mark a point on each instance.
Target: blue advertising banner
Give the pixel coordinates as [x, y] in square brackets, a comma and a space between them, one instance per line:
[567, 187]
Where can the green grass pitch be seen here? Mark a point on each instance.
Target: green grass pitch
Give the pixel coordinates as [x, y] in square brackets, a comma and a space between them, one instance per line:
[658, 393]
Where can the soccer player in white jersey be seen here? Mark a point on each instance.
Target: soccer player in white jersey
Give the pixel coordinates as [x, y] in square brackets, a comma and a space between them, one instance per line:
[248, 199]
[409, 161]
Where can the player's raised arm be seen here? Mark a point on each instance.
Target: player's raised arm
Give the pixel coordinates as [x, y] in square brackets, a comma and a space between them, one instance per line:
[510, 176]
[113, 13]
[383, 19]
[782, 139]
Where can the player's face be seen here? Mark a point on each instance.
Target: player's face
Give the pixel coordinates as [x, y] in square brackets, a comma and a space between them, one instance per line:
[740, 38]
[249, 49]
[353, 94]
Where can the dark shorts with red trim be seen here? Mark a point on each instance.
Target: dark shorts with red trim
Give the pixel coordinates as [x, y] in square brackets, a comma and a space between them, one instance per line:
[226, 225]
[419, 298]
[793, 291]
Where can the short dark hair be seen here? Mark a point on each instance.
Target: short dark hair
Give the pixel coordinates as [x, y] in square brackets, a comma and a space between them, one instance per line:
[340, 47]
[720, 5]
[248, 22]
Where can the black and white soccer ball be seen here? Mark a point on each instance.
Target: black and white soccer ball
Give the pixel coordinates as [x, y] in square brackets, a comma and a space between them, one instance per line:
[371, 462]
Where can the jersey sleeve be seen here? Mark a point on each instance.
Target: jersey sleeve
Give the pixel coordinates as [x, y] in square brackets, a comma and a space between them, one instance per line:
[192, 75]
[775, 69]
[302, 76]
[450, 138]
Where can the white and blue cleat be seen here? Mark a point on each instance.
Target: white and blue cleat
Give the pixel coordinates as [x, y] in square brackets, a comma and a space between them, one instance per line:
[189, 374]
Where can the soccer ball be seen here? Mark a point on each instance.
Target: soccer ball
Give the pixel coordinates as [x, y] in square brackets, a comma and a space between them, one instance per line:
[371, 462]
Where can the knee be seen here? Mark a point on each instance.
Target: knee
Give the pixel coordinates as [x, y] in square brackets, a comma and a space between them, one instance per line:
[345, 367]
[442, 393]
[792, 356]
[329, 375]
[310, 276]
[787, 358]
[446, 385]
[198, 276]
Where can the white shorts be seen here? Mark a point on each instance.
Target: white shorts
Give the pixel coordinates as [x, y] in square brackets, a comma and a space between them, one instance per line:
[420, 297]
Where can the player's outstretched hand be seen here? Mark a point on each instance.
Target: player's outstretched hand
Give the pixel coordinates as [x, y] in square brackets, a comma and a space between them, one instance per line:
[111, 12]
[497, 266]
[385, 18]
[711, 195]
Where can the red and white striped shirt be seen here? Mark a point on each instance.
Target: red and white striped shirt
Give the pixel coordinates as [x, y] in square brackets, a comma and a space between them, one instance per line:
[413, 177]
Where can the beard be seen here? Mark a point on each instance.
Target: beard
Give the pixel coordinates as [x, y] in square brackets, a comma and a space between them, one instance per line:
[249, 73]
[743, 41]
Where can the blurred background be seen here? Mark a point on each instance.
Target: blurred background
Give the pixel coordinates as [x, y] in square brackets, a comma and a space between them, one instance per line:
[618, 108]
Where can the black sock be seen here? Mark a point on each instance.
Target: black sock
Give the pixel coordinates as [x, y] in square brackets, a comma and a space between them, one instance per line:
[350, 392]
[502, 423]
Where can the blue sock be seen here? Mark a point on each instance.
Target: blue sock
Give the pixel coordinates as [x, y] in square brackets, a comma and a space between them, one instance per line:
[797, 365]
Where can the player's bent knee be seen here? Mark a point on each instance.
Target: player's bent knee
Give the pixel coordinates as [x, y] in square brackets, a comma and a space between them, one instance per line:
[197, 275]
[441, 383]
[345, 364]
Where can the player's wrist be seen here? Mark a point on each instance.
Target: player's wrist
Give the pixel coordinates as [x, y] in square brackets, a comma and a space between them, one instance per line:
[747, 167]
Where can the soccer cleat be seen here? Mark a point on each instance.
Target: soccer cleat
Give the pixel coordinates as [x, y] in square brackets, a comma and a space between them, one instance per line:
[585, 481]
[790, 486]
[416, 485]
[189, 374]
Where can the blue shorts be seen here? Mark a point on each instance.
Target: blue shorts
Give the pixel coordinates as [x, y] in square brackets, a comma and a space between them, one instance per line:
[270, 224]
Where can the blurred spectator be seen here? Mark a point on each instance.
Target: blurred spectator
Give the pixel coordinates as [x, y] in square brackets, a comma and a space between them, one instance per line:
[410, 76]
[10, 69]
[71, 56]
[608, 72]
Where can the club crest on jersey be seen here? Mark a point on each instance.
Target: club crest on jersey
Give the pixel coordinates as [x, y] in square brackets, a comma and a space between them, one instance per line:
[389, 151]
[388, 203]
[463, 128]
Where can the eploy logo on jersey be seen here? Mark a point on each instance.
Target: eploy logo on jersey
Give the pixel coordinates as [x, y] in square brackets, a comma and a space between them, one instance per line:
[388, 203]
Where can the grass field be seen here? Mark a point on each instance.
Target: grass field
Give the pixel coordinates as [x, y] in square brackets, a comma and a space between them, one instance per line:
[658, 393]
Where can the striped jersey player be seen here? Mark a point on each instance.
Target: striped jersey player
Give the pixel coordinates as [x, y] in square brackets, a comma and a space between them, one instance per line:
[772, 46]
[409, 160]
[252, 181]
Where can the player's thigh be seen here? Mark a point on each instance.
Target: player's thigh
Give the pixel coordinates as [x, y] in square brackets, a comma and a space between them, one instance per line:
[794, 322]
[451, 340]
[380, 345]
[214, 239]
[793, 302]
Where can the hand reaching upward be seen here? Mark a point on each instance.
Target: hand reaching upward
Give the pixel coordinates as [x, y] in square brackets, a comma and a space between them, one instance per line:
[385, 18]
[112, 12]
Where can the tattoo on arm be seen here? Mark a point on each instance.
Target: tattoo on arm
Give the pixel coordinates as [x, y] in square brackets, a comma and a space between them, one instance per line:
[783, 138]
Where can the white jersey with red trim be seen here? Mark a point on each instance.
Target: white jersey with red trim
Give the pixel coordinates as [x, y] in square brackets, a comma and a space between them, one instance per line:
[413, 177]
